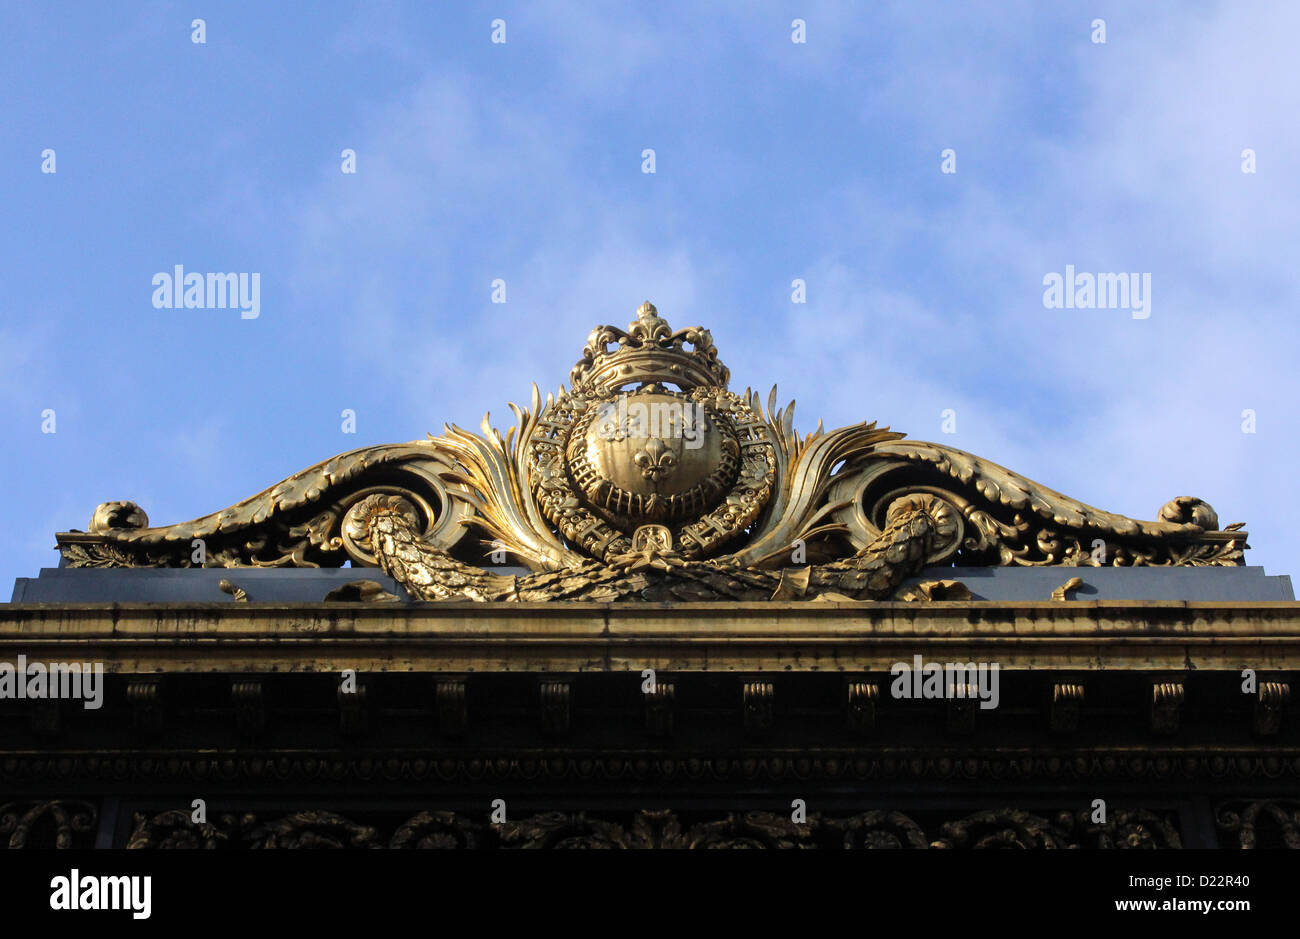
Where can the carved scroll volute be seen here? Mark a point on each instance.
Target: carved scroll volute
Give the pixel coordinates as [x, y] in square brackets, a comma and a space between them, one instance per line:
[949, 527]
[1012, 520]
[441, 525]
[298, 522]
[866, 504]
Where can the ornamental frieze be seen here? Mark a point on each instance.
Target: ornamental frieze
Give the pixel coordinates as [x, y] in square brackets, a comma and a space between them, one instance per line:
[648, 478]
[72, 823]
[66, 824]
[663, 829]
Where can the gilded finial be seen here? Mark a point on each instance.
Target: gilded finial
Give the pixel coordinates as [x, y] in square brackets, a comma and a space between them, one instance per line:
[649, 325]
[648, 322]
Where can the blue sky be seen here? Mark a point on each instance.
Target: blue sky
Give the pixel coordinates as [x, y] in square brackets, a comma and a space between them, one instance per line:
[522, 161]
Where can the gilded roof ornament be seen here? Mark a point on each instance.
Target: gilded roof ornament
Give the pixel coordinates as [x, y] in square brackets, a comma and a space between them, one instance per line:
[650, 479]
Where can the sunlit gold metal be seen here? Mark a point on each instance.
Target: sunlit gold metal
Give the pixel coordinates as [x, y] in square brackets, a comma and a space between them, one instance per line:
[650, 479]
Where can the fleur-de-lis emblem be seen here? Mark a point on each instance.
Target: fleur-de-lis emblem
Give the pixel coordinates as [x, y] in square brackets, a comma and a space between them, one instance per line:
[655, 460]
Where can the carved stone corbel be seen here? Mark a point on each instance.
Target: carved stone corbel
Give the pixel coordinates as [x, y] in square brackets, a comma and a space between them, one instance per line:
[144, 696]
[453, 711]
[1067, 701]
[659, 709]
[758, 698]
[555, 697]
[963, 701]
[862, 696]
[250, 708]
[1270, 702]
[354, 718]
[1167, 706]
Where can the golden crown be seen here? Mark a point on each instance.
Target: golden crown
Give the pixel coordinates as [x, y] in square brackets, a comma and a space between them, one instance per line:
[648, 351]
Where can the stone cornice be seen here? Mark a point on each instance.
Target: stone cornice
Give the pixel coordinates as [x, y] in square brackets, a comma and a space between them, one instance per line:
[586, 637]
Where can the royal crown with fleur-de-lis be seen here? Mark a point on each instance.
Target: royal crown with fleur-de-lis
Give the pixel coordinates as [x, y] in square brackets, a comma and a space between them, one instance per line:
[649, 351]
